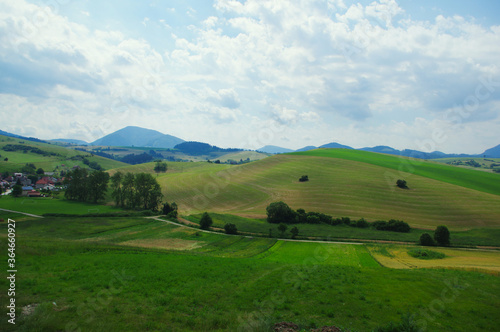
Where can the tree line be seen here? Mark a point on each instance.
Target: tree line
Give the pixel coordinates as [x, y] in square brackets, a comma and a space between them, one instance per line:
[131, 191]
[280, 212]
[85, 186]
[136, 191]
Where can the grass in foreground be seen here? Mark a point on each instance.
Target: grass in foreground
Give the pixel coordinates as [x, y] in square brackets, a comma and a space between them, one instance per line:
[97, 283]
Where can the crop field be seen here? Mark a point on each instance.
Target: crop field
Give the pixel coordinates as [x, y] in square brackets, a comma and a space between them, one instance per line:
[397, 257]
[137, 274]
[337, 186]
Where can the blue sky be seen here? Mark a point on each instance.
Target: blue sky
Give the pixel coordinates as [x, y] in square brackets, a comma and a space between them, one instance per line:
[410, 74]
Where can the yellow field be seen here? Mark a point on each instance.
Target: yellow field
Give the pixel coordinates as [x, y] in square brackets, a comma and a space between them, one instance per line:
[455, 258]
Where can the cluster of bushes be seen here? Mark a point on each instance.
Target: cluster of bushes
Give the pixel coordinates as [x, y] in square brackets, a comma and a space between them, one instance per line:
[441, 237]
[170, 210]
[280, 212]
[136, 191]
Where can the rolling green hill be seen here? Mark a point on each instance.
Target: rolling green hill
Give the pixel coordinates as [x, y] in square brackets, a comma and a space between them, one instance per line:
[54, 156]
[342, 183]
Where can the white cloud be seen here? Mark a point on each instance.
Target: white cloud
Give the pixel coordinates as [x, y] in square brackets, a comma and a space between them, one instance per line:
[354, 70]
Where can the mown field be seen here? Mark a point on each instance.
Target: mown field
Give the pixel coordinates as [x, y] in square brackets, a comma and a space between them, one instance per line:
[119, 274]
[339, 186]
[397, 257]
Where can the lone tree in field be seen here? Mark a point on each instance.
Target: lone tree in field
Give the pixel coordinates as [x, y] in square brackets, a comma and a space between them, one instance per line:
[230, 229]
[160, 167]
[304, 178]
[295, 232]
[280, 212]
[205, 221]
[402, 184]
[426, 240]
[282, 228]
[442, 236]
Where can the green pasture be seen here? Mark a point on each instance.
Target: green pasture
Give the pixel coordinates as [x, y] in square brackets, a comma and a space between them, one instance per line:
[81, 276]
[339, 187]
[485, 164]
[17, 159]
[405, 167]
[324, 232]
[42, 205]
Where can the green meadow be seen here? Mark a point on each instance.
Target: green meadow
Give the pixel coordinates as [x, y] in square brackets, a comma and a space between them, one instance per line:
[87, 273]
[485, 182]
[49, 163]
[339, 186]
[119, 274]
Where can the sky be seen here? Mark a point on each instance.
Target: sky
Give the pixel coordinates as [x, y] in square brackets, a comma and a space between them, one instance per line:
[422, 75]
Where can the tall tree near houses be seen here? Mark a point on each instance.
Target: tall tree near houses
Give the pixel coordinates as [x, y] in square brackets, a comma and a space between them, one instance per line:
[129, 191]
[97, 185]
[116, 188]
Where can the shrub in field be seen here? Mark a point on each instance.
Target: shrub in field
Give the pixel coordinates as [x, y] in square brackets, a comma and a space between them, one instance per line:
[442, 236]
[402, 184]
[282, 228]
[170, 210]
[230, 229]
[362, 223]
[280, 212]
[393, 225]
[313, 219]
[205, 221]
[426, 240]
[295, 232]
[425, 254]
[304, 178]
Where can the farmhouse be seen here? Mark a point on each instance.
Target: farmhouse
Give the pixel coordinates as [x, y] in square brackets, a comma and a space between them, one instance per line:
[34, 193]
[45, 183]
[26, 190]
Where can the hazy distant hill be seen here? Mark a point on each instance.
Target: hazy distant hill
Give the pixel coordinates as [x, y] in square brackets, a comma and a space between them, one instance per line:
[382, 149]
[140, 137]
[306, 148]
[21, 137]
[274, 149]
[492, 153]
[69, 141]
[335, 145]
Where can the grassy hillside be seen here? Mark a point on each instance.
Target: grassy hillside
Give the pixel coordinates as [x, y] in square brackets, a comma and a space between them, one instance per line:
[115, 274]
[49, 163]
[337, 186]
[483, 164]
[402, 166]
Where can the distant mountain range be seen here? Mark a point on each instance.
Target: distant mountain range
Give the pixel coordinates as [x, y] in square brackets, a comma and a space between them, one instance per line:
[138, 137]
[141, 137]
[69, 141]
[490, 153]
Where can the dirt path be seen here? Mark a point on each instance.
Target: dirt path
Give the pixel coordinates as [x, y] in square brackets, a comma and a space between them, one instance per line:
[27, 214]
[190, 224]
[247, 236]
